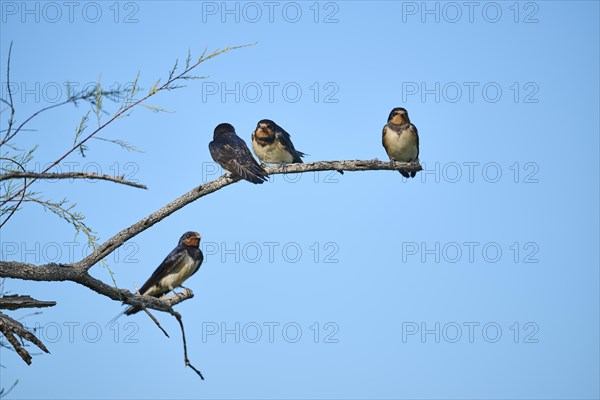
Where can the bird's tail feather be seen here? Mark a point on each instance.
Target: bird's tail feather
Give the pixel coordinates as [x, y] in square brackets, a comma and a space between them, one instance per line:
[298, 156]
[116, 317]
[132, 310]
[254, 173]
[127, 311]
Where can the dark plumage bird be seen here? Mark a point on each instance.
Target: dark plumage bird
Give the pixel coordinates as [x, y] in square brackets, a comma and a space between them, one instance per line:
[179, 265]
[401, 139]
[272, 144]
[231, 152]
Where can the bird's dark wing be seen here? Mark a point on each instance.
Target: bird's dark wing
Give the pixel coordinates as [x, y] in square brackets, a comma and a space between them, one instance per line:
[382, 136]
[197, 255]
[286, 140]
[169, 264]
[231, 152]
[414, 173]
[246, 166]
[222, 153]
[416, 133]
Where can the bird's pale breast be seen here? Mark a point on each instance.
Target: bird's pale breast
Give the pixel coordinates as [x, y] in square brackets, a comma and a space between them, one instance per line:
[272, 153]
[185, 269]
[401, 146]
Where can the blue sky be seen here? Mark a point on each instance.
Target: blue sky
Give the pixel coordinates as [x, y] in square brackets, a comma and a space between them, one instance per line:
[477, 279]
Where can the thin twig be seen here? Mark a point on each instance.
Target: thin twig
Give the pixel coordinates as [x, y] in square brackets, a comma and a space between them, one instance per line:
[70, 175]
[10, 98]
[150, 314]
[7, 138]
[5, 393]
[126, 109]
[15, 208]
[74, 99]
[185, 355]
[66, 213]
[31, 315]
[153, 318]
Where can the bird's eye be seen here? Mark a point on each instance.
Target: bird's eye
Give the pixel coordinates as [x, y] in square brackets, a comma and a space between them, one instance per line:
[270, 127]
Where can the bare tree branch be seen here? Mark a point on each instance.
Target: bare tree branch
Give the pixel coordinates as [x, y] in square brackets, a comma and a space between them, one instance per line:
[56, 272]
[71, 175]
[78, 272]
[15, 302]
[9, 328]
[349, 165]
[65, 272]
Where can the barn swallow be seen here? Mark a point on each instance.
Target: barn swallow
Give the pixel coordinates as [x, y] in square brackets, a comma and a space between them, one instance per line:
[401, 139]
[231, 152]
[180, 264]
[272, 144]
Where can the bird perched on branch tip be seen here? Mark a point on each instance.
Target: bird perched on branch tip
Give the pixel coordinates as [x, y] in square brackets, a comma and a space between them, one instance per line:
[181, 263]
[400, 139]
